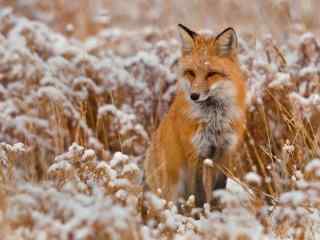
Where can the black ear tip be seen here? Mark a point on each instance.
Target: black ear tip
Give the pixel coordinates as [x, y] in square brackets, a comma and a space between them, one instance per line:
[230, 29]
[183, 27]
[190, 32]
[227, 30]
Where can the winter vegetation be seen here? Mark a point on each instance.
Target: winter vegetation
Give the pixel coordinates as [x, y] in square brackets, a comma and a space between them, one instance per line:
[84, 85]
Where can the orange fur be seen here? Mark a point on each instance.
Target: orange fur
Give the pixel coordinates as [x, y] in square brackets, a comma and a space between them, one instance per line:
[172, 158]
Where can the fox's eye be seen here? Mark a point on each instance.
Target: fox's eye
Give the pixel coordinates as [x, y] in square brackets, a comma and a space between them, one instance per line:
[189, 74]
[213, 74]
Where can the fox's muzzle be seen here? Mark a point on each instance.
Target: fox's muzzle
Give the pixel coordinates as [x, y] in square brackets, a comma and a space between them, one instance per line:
[199, 96]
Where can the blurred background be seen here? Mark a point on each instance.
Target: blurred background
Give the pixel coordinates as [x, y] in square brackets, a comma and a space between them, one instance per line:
[84, 18]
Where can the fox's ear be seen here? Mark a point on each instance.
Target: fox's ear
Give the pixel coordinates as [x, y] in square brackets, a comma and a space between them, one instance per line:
[226, 42]
[186, 36]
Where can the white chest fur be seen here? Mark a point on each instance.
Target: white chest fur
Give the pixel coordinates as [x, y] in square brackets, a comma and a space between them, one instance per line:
[216, 135]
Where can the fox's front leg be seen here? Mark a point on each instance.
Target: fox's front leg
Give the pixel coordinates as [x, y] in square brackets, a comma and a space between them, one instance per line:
[209, 177]
[212, 179]
[199, 192]
[217, 166]
[204, 184]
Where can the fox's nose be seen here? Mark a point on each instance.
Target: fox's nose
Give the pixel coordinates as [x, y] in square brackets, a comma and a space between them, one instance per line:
[194, 96]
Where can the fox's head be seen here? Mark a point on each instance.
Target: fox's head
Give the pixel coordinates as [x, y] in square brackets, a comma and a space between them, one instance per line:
[209, 66]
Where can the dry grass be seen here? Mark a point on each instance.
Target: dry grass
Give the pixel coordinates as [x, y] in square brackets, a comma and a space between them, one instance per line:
[85, 110]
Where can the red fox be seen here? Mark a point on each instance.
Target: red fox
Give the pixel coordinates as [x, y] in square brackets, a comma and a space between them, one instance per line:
[206, 119]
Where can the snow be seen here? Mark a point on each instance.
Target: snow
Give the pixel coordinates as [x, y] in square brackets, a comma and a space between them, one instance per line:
[308, 70]
[306, 37]
[191, 200]
[130, 168]
[76, 149]
[16, 148]
[253, 177]
[294, 197]
[119, 158]
[208, 162]
[313, 165]
[61, 165]
[112, 174]
[281, 80]
[157, 203]
[52, 93]
[288, 148]
[89, 154]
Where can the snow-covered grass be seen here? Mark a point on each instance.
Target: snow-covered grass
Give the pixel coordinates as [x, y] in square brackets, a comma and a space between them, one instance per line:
[76, 118]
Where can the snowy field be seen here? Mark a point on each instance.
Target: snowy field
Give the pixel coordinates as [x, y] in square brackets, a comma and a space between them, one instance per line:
[82, 90]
